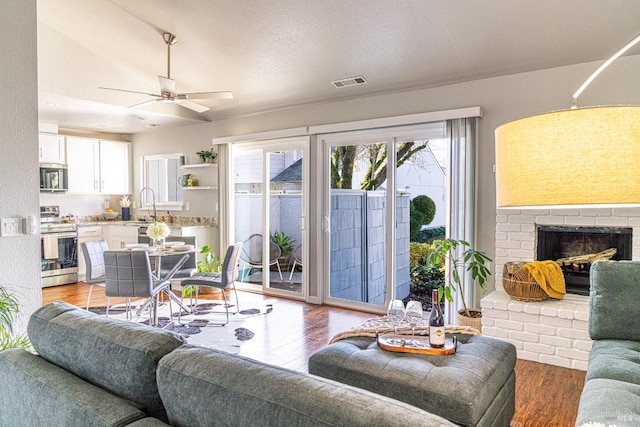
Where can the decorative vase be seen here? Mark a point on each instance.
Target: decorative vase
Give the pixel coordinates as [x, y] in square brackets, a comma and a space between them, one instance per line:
[126, 214]
[158, 244]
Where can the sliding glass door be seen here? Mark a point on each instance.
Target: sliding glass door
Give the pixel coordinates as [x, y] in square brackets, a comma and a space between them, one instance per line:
[269, 215]
[372, 181]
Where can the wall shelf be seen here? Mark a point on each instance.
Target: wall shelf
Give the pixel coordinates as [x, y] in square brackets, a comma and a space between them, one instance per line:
[201, 187]
[199, 165]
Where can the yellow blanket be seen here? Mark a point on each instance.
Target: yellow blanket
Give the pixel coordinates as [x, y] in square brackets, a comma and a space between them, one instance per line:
[549, 276]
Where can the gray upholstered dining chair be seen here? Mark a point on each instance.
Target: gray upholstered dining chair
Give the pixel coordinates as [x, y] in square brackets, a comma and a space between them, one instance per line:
[188, 269]
[94, 262]
[222, 280]
[128, 274]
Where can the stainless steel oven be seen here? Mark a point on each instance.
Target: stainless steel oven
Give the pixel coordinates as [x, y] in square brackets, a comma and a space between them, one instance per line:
[59, 248]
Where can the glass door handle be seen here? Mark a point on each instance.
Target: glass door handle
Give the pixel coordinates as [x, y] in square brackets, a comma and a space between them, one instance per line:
[325, 224]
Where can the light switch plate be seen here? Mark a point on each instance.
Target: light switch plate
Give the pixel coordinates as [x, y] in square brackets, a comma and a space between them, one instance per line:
[10, 227]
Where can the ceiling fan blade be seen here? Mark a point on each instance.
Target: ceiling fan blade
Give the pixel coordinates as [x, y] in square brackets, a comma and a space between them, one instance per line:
[206, 95]
[130, 91]
[167, 85]
[192, 105]
[142, 104]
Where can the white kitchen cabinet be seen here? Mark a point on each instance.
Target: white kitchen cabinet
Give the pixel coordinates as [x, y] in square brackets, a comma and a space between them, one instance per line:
[83, 157]
[88, 233]
[51, 148]
[98, 166]
[121, 235]
[114, 167]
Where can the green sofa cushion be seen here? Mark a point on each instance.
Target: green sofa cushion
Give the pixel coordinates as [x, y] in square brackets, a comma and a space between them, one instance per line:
[616, 360]
[34, 392]
[610, 403]
[118, 356]
[613, 302]
[205, 387]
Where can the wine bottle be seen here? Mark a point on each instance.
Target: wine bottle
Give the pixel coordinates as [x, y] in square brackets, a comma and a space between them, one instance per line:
[436, 322]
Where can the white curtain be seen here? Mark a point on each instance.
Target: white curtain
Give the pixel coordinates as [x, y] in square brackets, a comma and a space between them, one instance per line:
[224, 194]
[462, 134]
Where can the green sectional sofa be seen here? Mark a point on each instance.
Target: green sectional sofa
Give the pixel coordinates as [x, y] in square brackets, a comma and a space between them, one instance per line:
[97, 371]
[611, 394]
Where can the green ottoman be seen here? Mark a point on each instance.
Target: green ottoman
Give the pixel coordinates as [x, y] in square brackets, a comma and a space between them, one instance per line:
[473, 387]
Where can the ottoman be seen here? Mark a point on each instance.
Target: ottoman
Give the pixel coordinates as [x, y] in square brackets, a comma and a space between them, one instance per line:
[473, 387]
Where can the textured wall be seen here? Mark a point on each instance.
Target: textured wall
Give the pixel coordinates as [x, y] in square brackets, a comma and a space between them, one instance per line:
[19, 256]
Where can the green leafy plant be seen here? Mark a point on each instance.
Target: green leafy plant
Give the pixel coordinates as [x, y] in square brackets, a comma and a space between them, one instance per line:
[207, 156]
[419, 253]
[285, 242]
[471, 260]
[211, 264]
[9, 310]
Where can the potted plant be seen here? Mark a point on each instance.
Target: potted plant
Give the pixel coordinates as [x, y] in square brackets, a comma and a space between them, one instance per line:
[447, 253]
[8, 311]
[286, 244]
[211, 264]
[207, 156]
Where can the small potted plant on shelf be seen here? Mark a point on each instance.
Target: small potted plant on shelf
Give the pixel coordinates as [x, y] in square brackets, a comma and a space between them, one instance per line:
[207, 156]
[445, 253]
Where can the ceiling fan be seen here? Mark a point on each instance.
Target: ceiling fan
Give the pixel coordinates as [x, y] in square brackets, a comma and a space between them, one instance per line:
[168, 92]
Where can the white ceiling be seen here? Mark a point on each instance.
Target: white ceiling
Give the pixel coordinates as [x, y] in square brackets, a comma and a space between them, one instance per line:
[275, 54]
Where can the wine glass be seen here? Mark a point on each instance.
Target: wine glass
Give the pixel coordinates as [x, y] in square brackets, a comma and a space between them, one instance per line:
[395, 314]
[413, 313]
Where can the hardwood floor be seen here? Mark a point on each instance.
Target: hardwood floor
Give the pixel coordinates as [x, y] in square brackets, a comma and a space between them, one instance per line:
[545, 395]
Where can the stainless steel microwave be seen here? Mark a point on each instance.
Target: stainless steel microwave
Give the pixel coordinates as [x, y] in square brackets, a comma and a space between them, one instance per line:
[53, 178]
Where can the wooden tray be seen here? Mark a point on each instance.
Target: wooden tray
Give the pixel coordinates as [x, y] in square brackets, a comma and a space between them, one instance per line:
[384, 342]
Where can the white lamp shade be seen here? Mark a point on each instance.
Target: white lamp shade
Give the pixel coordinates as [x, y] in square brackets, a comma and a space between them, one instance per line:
[571, 158]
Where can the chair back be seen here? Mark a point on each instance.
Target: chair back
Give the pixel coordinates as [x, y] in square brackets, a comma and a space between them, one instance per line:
[230, 264]
[94, 260]
[297, 254]
[169, 262]
[128, 274]
[252, 250]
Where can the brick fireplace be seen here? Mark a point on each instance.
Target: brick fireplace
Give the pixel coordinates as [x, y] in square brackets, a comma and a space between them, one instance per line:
[551, 331]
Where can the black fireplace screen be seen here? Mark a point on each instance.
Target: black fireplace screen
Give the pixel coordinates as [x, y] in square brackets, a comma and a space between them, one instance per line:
[578, 247]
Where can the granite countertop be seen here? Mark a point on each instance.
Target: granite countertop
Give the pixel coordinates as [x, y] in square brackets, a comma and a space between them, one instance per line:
[177, 221]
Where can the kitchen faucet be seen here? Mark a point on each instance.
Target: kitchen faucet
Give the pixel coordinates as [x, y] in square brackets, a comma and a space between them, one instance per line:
[155, 213]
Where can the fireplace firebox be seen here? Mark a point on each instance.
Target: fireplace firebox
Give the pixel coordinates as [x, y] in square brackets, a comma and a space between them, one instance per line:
[558, 242]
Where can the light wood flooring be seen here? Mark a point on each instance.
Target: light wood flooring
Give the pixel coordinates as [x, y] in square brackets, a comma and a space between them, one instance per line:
[545, 395]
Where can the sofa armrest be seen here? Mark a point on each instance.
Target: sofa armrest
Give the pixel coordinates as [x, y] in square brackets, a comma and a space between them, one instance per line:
[614, 300]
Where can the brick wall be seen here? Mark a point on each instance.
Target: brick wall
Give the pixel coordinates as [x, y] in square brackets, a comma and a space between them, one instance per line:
[551, 331]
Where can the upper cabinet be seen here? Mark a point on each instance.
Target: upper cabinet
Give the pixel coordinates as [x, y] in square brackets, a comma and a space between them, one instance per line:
[98, 166]
[115, 167]
[51, 148]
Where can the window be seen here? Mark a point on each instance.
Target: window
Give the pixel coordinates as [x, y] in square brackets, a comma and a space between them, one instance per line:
[161, 173]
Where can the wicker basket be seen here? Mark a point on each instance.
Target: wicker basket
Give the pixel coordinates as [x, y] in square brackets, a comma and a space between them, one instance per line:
[520, 284]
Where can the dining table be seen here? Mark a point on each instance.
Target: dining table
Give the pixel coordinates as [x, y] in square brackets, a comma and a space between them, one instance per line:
[156, 256]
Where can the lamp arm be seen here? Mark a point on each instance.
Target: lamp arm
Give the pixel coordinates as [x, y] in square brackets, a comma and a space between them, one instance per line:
[602, 67]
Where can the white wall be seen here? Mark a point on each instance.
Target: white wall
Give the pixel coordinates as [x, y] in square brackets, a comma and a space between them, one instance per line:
[19, 256]
[502, 99]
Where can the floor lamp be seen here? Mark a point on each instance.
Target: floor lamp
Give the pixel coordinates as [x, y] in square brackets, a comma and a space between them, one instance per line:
[581, 157]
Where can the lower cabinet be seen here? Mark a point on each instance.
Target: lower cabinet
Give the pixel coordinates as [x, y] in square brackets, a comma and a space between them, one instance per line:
[119, 236]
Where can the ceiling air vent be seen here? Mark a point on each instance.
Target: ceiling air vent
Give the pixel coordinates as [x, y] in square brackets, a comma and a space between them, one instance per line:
[351, 81]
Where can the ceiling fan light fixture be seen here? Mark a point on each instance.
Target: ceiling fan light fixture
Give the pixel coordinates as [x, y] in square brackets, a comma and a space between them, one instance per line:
[169, 38]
